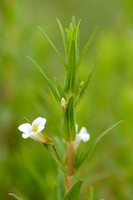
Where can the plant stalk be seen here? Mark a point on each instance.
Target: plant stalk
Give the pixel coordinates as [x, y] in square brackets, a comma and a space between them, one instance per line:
[70, 162]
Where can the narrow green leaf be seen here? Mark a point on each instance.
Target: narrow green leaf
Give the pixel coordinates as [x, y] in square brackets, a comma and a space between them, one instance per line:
[68, 35]
[68, 42]
[73, 193]
[46, 79]
[61, 185]
[69, 122]
[73, 22]
[91, 194]
[77, 41]
[60, 88]
[15, 196]
[63, 35]
[71, 72]
[57, 52]
[71, 28]
[55, 157]
[87, 82]
[93, 145]
[86, 47]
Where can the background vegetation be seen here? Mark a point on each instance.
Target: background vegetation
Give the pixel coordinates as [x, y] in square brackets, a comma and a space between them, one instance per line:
[25, 166]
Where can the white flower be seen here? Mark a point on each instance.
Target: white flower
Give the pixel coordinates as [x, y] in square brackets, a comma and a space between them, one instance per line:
[82, 135]
[34, 131]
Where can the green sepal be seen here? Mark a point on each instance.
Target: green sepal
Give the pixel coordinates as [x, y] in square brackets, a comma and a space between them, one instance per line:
[46, 79]
[93, 145]
[55, 157]
[69, 122]
[86, 47]
[56, 51]
[86, 83]
[73, 193]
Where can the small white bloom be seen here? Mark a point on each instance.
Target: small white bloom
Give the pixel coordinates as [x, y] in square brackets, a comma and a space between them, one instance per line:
[82, 135]
[34, 131]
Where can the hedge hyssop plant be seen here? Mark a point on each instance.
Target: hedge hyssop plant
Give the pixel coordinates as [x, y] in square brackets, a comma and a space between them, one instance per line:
[67, 97]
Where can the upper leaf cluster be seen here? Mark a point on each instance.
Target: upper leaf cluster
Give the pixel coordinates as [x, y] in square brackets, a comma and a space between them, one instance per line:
[71, 91]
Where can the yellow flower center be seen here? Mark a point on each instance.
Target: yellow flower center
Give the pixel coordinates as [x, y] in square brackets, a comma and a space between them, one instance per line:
[35, 128]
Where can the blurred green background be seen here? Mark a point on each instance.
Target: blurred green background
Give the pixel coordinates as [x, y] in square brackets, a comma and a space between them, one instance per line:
[26, 168]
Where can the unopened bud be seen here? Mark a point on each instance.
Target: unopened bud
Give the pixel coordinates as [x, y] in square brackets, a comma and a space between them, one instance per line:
[63, 104]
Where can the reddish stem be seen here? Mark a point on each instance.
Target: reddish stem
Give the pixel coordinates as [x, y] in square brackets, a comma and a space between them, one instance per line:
[70, 162]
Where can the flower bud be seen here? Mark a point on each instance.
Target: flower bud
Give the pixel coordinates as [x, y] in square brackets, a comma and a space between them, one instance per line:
[63, 104]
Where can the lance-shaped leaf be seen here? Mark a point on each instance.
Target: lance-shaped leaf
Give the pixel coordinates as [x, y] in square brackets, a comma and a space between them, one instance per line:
[55, 156]
[69, 122]
[93, 145]
[60, 88]
[77, 41]
[86, 47]
[91, 194]
[71, 71]
[73, 193]
[46, 79]
[61, 185]
[56, 51]
[73, 22]
[68, 38]
[87, 82]
[63, 35]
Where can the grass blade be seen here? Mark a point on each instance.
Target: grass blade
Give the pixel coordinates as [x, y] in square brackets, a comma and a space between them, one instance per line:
[86, 47]
[57, 52]
[46, 79]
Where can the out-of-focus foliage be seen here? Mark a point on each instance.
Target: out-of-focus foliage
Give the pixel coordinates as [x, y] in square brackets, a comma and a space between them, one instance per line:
[26, 168]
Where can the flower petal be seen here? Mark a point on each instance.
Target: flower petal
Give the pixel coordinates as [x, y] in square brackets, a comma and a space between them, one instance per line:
[39, 120]
[26, 128]
[40, 127]
[24, 135]
[83, 130]
[84, 135]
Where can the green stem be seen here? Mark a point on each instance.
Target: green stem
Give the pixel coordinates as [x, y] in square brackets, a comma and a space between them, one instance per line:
[56, 153]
